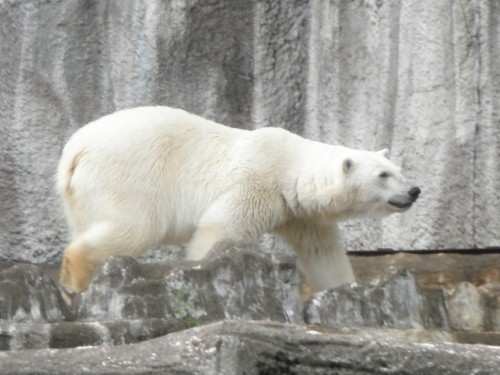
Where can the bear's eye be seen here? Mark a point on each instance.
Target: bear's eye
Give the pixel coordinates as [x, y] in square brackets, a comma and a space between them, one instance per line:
[384, 175]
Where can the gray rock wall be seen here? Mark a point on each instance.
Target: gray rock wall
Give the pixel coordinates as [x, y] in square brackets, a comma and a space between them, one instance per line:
[227, 348]
[419, 77]
[129, 302]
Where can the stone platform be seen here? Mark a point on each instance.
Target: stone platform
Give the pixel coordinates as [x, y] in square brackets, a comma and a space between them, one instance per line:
[242, 310]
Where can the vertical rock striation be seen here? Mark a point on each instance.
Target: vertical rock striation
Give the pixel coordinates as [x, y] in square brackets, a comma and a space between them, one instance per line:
[420, 78]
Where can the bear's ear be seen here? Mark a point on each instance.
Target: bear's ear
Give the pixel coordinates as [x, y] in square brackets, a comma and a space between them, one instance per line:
[384, 152]
[347, 165]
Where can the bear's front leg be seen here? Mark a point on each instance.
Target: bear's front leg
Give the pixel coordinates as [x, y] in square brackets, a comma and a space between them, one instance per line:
[321, 255]
[234, 217]
[205, 237]
[216, 224]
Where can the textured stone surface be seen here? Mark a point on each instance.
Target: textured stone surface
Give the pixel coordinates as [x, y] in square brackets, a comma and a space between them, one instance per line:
[21, 336]
[419, 77]
[28, 294]
[261, 348]
[491, 295]
[395, 300]
[231, 283]
[465, 308]
[432, 269]
[128, 302]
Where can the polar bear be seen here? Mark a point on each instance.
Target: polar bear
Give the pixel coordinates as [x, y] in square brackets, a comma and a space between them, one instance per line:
[147, 176]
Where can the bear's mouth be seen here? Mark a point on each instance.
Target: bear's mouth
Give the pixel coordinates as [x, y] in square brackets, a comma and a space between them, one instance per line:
[401, 205]
[404, 201]
[401, 202]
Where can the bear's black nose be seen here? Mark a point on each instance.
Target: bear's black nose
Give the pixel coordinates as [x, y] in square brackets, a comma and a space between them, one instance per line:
[414, 193]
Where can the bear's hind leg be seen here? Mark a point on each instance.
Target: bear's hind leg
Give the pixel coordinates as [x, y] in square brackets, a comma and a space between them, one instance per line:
[91, 247]
[77, 268]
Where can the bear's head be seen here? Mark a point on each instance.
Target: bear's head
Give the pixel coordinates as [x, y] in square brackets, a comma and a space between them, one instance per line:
[377, 184]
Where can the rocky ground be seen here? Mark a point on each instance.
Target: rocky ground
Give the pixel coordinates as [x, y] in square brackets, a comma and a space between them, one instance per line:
[241, 311]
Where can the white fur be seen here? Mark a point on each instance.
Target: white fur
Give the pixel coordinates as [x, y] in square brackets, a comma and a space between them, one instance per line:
[157, 175]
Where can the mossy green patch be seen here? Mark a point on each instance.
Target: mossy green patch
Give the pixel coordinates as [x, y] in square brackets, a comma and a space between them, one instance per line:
[184, 306]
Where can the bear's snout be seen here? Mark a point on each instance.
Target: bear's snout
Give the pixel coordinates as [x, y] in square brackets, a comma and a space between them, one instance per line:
[414, 193]
[405, 201]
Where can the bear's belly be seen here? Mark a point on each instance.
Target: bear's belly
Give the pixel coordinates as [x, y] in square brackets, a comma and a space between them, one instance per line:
[178, 236]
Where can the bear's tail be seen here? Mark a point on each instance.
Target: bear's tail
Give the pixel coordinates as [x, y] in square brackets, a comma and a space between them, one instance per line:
[67, 165]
